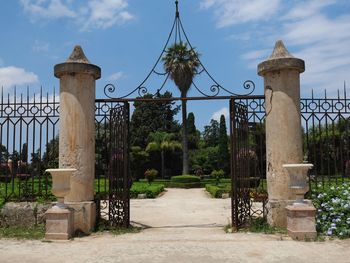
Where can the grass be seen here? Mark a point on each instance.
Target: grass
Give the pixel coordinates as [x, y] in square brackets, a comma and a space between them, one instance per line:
[23, 232]
[258, 225]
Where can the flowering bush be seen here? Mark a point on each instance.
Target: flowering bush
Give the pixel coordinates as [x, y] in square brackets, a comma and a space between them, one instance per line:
[333, 211]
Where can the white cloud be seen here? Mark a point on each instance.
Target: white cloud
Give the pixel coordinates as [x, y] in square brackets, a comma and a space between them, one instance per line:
[106, 13]
[90, 14]
[231, 12]
[307, 8]
[224, 111]
[11, 76]
[319, 37]
[47, 8]
[115, 76]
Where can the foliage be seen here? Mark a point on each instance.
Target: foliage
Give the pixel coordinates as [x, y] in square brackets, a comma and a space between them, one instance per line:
[333, 211]
[150, 117]
[151, 191]
[216, 191]
[23, 232]
[185, 179]
[150, 175]
[223, 153]
[139, 159]
[327, 144]
[163, 143]
[218, 174]
[260, 225]
[182, 63]
[205, 158]
[193, 133]
[211, 134]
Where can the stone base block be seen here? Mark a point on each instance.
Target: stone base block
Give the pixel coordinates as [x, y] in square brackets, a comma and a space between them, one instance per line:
[84, 216]
[59, 224]
[301, 221]
[277, 214]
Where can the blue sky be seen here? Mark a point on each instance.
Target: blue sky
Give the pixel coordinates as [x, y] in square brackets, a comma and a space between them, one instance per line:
[125, 37]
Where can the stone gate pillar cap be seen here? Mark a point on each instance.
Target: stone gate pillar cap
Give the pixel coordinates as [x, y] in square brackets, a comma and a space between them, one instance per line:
[280, 59]
[77, 63]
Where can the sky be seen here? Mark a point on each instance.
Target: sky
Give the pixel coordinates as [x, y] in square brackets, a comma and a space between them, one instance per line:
[125, 38]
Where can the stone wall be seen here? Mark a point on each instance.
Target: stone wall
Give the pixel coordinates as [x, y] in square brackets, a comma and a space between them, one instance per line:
[23, 214]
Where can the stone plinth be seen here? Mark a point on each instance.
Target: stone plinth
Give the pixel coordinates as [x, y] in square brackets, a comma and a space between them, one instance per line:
[84, 216]
[281, 72]
[59, 224]
[77, 123]
[301, 221]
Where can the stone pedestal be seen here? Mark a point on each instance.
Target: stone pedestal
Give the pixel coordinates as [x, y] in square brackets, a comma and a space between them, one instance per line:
[301, 221]
[84, 216]
[59, 224]
[77, 123]
[281, 72]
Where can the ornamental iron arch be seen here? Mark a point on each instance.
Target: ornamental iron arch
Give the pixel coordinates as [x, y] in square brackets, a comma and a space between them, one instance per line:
[179, 35]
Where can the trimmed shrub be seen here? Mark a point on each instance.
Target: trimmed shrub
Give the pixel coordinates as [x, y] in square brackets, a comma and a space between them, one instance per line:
[218, 174]
[216, 191]
[185, 185]
[151, 191]
[150, 175]
[185, 179]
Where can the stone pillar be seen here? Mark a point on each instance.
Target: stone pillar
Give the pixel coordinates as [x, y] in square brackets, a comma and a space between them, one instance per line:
[77, 131]
[281, 72]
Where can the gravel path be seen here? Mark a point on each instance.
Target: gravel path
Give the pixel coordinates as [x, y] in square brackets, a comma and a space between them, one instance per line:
[184, 226]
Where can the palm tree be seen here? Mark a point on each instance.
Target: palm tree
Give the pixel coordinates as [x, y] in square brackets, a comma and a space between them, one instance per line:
[162, 141]
[182, 64]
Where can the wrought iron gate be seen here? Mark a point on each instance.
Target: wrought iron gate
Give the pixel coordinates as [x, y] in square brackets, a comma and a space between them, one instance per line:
[240, 199]
[118, 172]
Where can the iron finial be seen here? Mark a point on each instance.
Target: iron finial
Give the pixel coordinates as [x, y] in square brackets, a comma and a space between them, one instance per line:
[177, 8]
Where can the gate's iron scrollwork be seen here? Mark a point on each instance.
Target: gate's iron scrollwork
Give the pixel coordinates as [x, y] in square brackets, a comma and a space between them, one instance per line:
[119, 175]
[240, 199]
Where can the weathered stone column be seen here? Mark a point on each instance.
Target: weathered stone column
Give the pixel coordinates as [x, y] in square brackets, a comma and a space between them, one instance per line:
[77, 129]
[281, 72]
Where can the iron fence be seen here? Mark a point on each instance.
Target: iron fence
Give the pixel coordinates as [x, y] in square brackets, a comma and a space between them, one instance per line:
[29, 141]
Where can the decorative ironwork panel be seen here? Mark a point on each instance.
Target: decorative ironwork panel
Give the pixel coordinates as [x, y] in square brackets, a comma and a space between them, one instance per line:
[240, 198]
[119, 177]
[249, 195]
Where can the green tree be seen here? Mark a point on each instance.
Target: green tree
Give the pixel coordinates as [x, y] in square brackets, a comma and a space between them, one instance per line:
[150, 117]
[193, 133]
[223, 153]
[182, 63]
[162, 142]
[24, 153]
[138, 159]
[211, 134]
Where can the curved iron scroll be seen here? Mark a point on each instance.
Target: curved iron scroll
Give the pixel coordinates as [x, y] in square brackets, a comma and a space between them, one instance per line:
[178, 33]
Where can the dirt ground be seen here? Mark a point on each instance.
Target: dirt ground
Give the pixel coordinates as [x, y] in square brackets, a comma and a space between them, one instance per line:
[181, 226]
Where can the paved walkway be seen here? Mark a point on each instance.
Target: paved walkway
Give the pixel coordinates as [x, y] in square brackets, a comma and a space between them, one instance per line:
[185, 226]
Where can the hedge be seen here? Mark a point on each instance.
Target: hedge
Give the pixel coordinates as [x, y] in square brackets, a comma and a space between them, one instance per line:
[151, 190]
[185, 179]
[216, 191]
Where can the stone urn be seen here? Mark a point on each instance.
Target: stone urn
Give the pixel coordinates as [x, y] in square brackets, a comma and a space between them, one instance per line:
[298, 180]
[61, 184]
